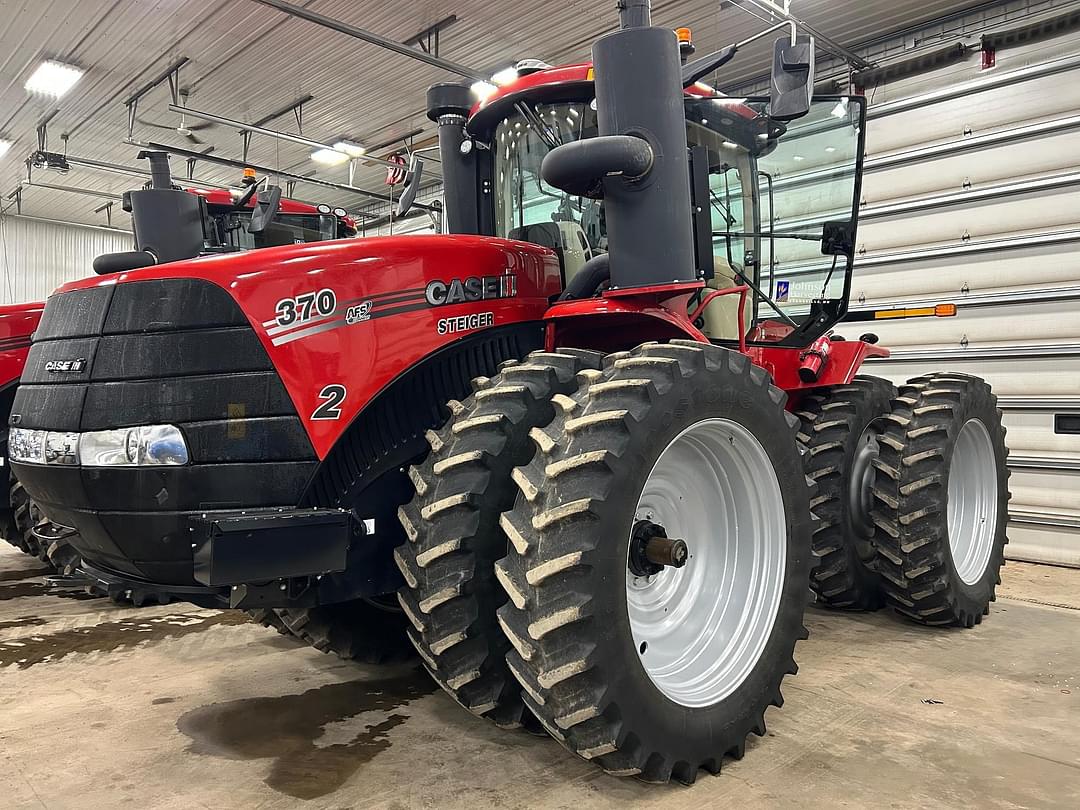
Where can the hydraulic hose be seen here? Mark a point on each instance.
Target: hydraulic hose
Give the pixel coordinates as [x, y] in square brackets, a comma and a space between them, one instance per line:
[593, 273]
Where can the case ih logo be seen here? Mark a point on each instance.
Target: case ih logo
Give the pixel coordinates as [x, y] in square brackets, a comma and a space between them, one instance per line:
[66, 366]
[473, 288]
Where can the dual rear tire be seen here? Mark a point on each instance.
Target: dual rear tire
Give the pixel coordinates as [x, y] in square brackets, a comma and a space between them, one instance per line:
[912, 496]
[525, 589]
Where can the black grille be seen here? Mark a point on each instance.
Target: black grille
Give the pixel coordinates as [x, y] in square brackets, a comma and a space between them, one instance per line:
[174, 351]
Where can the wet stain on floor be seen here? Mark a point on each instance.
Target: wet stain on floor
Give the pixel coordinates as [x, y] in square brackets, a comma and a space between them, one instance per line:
[108, 636]
[17, 574]
[20, 589]
[292, 730]
[21, 621]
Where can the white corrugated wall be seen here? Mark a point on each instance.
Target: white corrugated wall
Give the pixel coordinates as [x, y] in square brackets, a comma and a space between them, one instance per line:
[37, 256]
[972, 195]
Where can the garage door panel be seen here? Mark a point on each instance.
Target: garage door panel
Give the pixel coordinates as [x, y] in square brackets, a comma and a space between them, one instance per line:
[984, 111]
[1027, 268]
[1050, 153]
[1045, 490]
[1051, 543]
[985, 219]
[1018, 375]
[983, 326]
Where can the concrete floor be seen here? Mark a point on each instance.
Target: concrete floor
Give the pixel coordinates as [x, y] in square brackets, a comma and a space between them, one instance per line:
[179, 707]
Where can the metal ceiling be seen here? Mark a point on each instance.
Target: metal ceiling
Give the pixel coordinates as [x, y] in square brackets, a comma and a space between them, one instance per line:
[247, 60]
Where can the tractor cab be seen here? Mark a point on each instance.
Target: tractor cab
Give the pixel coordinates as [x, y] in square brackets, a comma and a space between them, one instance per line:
[775, 202]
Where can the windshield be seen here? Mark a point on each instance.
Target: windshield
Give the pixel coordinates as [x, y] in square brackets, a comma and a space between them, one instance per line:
[775, 191]
[526, 207]
[231, 230]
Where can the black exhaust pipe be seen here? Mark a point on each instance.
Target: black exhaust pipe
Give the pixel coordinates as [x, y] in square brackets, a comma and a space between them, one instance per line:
[641, 120]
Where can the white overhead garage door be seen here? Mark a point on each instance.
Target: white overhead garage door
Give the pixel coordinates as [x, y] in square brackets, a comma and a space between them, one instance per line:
[972, 195]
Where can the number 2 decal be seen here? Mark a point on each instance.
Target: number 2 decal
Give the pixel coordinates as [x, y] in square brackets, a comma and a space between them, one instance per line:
[332, 396]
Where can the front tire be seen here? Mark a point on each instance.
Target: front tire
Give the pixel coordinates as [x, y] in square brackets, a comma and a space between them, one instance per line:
[453, 533]
[942, 501]
[637, 671]
[363, 630]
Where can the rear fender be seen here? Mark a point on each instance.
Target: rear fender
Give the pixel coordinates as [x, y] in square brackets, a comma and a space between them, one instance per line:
[615, 323]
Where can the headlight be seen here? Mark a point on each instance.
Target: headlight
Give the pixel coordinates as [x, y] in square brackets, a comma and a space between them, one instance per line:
[61, 448]
[148, 445]
[143, 446]
[27, 445]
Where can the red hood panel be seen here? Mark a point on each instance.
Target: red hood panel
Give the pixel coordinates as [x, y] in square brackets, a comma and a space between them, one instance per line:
[354, 314]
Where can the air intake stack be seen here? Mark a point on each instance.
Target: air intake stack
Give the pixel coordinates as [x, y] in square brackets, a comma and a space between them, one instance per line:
[640, 157]
[169, 223]
[448, 105]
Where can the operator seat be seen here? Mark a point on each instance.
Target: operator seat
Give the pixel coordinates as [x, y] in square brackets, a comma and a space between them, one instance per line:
[721, 316]
[565, 237]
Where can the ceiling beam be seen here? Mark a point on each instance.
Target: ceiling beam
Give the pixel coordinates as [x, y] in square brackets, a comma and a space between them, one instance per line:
[374, 39]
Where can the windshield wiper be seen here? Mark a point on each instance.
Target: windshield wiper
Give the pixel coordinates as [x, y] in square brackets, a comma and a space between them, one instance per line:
[533, 121]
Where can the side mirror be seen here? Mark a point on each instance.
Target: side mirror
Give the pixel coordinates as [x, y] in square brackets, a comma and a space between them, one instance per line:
[792, 83]
[837, 238]
[266, 207]
[411, 187]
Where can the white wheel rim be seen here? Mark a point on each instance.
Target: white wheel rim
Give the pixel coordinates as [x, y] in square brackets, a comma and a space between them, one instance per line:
[699, 630]
[973, 496]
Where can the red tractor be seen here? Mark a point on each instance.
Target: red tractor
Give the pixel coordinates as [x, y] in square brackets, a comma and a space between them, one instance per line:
[588, 451]
[228, 216]
[17, 512]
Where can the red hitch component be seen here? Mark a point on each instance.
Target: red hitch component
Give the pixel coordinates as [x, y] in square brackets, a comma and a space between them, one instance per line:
[813, 359]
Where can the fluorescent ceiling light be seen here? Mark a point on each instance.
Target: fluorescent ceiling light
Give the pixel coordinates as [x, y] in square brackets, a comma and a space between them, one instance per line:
[329, 157]
[482, 90]
[505, 76]
[4, 146]
[53, 78]
[353, 150]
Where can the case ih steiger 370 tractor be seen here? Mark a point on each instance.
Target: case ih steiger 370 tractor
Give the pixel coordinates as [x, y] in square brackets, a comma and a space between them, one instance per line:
[613, 527]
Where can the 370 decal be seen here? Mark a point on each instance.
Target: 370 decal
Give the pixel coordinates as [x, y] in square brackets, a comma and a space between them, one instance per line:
[304, 307]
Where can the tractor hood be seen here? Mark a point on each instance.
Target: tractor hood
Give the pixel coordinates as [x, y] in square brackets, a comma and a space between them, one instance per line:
[352, 312]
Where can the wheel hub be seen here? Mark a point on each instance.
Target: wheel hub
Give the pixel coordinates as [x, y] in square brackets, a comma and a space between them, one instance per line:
[651, 549]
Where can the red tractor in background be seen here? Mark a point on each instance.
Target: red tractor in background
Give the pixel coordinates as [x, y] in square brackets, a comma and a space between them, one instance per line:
[17, 512]
[587, 451]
